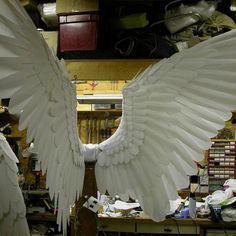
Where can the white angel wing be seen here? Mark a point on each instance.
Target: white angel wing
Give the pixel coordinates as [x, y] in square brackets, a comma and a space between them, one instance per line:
[170, 112]
[42, 95]
[12, 207]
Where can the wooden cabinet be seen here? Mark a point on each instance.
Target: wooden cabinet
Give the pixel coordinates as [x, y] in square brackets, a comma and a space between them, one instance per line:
[140, 226]
[147, 226]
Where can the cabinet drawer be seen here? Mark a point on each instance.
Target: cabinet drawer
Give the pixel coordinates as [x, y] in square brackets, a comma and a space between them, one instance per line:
[157, 228]
[117, 226]
[189, 229]
[220, 232]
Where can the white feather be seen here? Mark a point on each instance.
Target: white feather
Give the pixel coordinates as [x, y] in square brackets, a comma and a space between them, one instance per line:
[12, 207]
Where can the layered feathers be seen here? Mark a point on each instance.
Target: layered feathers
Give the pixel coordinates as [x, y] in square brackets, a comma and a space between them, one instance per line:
[170, 112]
[12, 209]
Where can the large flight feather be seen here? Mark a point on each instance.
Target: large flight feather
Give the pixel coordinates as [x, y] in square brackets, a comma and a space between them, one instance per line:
[12, 207]
[42, 95]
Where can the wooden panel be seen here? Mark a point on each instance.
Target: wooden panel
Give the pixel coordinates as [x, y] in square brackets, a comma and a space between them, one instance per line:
[86, 220]
[106, 69]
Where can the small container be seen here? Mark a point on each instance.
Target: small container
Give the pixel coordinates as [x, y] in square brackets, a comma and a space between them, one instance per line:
[194, 187]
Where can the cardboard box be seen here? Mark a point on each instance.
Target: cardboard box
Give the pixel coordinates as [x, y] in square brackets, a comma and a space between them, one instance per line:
[65, 6]
[51, 38]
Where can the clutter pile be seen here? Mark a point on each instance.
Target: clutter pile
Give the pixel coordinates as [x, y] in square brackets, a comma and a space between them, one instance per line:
[224, 201]
[182, 26]
[220, 205]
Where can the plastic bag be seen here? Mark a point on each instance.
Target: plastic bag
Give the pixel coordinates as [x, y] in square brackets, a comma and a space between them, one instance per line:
[186, 15]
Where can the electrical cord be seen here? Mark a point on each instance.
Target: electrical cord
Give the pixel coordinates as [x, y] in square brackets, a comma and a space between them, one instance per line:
[226, 234]
[104, 234]
[194, 225]
[177, 225]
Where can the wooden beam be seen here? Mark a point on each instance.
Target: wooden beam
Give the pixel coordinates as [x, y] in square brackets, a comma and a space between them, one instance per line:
[86, 220]
[106, 69]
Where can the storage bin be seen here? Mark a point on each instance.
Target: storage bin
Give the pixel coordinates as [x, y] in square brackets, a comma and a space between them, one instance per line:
[78, 31]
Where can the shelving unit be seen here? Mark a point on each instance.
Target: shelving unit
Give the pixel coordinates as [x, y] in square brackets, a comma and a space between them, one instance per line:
[221, 163]
[96, 126]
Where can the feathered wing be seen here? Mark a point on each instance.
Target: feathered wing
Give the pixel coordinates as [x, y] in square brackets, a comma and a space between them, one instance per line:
[170, 112]
[12, 207]
[42, 95]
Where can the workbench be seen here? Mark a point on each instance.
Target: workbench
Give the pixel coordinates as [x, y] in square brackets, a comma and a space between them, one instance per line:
[139, 225]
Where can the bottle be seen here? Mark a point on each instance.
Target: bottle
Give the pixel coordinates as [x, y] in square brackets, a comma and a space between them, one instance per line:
[192, 205]
[194, 186]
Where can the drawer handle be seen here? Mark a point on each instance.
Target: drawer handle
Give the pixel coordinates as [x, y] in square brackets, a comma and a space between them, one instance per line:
[167, 230]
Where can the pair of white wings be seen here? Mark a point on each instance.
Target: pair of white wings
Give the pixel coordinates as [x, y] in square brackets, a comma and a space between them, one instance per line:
[170, 112]
[12, 209]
